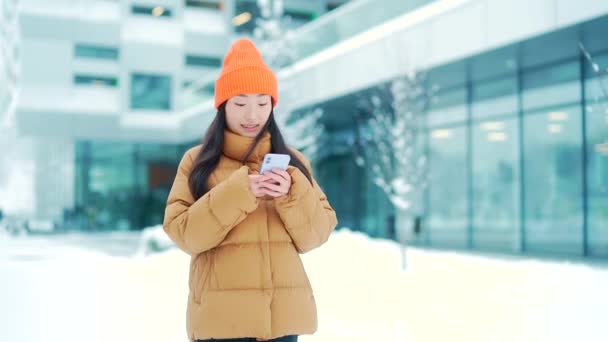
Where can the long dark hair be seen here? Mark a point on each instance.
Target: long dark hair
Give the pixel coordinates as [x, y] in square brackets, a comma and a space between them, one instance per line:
[213, 145]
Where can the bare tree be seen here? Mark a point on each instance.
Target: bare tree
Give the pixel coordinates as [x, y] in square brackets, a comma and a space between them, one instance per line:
[9, 60]
[602, 95]
[599, 73]
[390, 142]
[307, 131]
[390, 138]
[274, 34]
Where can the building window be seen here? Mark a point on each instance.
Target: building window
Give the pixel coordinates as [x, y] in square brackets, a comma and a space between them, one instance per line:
[106, 81]
[347, 207]
[447, 107]
[597, 156]
[448, 186]
[300, 17]
[553, 180]
[494, 98]
[150, 92]
[333, 5]
[496, 183]
[552, 85]
[597, 180]
[245, 15]
[208, 89]
[121, 185]
[203, 61]
[95, 51]
[203, 90]
[155, 11]
[207, 4]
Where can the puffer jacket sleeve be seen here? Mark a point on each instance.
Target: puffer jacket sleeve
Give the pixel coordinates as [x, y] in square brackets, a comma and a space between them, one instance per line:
[307, 215]
[197, 226]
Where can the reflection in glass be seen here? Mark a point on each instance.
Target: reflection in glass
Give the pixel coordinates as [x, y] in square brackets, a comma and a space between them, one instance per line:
[448, 107]
[553, 85]
[597, 157]
[448, 186]
[150, 92]
[122, 185]
[95, 51]
[496, 180]
[553, 180]
[494, 98]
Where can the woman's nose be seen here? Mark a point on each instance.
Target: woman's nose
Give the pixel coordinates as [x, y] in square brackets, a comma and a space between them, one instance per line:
[251, 113]
[248, 114]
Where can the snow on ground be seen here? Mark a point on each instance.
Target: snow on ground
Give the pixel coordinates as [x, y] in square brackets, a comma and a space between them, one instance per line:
[449, 296]
[74, 294]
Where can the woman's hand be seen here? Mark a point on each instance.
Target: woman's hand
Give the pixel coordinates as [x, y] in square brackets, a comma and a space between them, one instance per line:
[276, 183]
[256, 185]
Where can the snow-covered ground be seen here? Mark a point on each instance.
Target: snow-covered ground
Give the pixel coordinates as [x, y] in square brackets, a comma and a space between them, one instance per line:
[54, 290]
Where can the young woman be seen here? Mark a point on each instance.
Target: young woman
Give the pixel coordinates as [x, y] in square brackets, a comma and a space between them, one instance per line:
[244, 231]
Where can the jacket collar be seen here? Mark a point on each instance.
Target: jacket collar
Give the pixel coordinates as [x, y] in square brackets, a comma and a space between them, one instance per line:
[236, 146]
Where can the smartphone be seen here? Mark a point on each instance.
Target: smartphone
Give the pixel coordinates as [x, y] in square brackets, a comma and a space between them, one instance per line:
[275, 161]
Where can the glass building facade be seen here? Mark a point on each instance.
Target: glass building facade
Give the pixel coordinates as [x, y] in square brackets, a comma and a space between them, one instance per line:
[517, 145]
[121, 185]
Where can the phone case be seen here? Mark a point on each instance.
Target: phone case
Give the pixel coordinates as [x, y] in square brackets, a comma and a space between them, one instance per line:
[275, 161]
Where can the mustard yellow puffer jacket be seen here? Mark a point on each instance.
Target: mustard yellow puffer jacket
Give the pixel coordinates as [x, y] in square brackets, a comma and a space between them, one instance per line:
[246, 276]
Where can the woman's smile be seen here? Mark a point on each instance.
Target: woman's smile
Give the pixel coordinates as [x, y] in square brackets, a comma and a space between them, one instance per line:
[251, 128]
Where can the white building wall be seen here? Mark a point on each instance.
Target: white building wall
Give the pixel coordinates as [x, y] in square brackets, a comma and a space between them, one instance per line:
[53, 177]
[52, 105]
[443, 31]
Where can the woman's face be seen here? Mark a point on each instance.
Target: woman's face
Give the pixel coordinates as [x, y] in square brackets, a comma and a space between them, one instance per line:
[246, 114]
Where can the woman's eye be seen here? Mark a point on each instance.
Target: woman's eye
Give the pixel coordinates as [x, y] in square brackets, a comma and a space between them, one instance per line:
[239, 104]
[262, 104]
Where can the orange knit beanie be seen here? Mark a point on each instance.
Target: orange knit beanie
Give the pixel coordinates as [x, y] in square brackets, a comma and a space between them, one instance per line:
[244, 72]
